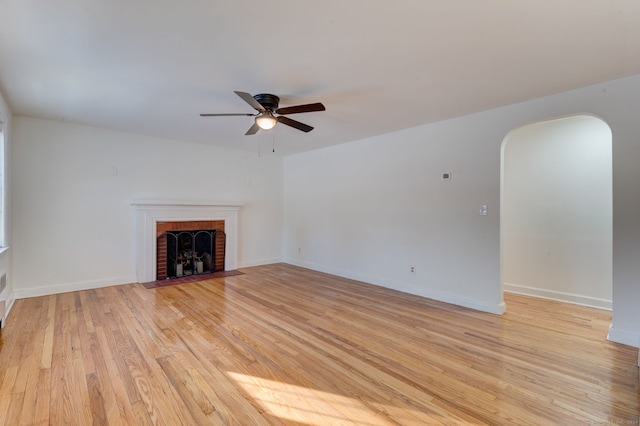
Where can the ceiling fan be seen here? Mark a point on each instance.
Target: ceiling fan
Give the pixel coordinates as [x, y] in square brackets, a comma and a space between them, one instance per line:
[267, 107]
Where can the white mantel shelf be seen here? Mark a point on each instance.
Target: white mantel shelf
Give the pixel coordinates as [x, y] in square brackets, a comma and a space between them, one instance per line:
[194, 203]
[151, 211]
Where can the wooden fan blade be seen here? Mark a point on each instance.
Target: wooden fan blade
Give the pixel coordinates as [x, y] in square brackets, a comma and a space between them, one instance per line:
[252, 130]
[249, 99]
[295, 124]
[296, 109]
[227, 115]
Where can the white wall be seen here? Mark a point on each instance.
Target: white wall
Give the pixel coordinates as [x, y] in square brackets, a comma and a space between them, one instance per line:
[5, 254]
[557, 211]
[73, 224]
[372, 209]
[343, 203]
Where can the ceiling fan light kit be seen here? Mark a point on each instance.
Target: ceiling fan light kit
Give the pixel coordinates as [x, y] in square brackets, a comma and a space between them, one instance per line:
[266, 121]
[267, 106]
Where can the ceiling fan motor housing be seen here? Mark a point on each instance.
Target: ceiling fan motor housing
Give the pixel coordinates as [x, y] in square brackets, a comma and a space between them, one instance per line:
[268, 101]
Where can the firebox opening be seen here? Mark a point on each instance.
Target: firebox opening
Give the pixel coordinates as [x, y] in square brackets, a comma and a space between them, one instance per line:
[190, 248]
[190, 253]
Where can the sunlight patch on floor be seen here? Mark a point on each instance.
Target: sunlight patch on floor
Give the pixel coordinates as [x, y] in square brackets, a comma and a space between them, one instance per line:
[312, 406]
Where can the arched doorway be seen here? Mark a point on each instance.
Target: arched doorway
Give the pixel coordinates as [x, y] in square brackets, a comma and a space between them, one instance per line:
[556, 210]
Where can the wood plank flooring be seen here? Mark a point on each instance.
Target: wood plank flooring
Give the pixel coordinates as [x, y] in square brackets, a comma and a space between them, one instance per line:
[285, 345]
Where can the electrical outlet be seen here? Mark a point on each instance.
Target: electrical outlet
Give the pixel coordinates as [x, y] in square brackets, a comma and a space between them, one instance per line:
[413, 269]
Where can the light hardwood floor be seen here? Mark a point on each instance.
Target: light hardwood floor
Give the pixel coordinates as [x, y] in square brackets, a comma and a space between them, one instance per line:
[285, 345]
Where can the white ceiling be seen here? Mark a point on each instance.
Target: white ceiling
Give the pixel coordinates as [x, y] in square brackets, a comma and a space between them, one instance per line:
[151, 67]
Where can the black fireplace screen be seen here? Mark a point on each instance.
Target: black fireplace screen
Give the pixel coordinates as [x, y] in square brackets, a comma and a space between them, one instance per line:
[190, 253]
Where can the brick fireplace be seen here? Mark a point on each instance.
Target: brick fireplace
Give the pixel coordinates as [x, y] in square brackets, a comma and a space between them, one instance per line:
[153, 215]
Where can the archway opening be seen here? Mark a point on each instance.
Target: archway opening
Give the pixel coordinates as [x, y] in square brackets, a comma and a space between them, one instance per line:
[556, 211]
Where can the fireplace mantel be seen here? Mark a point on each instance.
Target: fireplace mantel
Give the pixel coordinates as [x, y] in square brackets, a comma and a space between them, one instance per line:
[151, 211]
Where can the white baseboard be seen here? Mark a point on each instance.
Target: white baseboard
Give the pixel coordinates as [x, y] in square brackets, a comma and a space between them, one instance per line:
[250, 263]
[575, 299]
[65, 288]
[410, 288]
